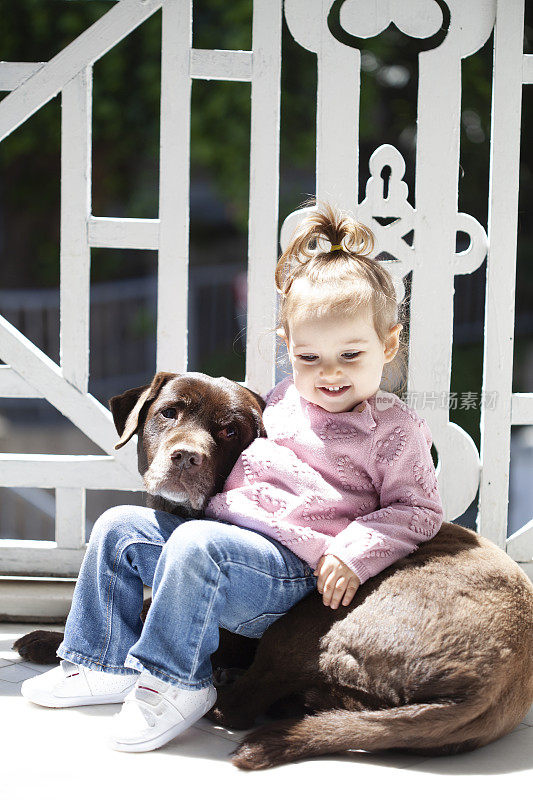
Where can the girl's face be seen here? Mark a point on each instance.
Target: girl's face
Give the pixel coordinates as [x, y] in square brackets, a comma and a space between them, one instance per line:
[338, 362]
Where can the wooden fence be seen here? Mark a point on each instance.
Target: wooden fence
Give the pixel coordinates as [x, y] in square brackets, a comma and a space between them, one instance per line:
[336, 32]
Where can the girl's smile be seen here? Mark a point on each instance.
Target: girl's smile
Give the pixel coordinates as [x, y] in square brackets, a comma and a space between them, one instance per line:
[331, 390]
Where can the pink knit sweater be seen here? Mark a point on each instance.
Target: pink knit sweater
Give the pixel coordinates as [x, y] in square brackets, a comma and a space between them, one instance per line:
[359, 484]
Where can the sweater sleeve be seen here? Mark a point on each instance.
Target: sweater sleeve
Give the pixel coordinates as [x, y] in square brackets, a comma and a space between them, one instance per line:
[410, 510]
[266, 397]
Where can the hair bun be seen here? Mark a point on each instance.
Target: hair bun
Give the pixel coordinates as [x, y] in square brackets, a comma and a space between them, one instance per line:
[324, 230]
[358, 240]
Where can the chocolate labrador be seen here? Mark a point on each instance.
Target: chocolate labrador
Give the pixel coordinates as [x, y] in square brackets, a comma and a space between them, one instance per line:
[433, 656]
[182, 465]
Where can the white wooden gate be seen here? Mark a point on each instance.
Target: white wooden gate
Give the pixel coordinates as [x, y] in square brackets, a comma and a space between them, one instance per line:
[335, 31]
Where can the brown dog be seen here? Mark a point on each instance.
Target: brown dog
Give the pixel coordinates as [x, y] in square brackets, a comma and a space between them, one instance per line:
[434, 655]
[191, 429]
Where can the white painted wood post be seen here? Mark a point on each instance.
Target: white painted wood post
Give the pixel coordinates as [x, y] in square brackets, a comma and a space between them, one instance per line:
[501, 269]
[264, 190]
[431, 309]
[173, 264]
[75, 253]
[70, 518]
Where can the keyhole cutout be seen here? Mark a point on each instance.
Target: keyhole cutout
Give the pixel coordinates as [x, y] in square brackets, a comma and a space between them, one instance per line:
[385, 177]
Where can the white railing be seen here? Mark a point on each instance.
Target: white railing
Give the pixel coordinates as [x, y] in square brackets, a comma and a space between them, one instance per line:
[123, 323]
[335, 32]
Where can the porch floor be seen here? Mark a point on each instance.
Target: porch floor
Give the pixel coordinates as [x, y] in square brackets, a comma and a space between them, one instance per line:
[59, 753]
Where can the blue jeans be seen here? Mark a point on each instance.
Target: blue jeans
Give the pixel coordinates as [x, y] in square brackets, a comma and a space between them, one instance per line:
[204, 574]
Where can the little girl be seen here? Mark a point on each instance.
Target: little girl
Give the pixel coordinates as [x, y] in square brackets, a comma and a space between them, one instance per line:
[343, 486]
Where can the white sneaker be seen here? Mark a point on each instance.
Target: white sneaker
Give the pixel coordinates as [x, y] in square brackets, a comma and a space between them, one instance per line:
[155, 711]
[73, 685]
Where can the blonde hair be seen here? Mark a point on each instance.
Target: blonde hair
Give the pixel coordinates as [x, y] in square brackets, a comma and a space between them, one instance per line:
[313, 279]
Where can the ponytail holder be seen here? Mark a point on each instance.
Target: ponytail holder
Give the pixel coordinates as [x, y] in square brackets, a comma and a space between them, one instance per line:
[336, 247]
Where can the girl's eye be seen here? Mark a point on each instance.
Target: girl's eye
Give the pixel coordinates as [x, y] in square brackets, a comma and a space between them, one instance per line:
[308, 358]
[169, 413]
[351, 355]
[228, 432]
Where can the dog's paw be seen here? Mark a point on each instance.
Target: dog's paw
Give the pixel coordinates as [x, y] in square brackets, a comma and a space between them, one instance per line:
[274, 744]
[229, 718]
[39, 647]
[254, 755]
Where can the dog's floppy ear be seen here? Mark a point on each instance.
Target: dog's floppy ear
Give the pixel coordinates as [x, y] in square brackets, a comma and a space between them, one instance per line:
[127, 407]
[261, 430]
[257, 397]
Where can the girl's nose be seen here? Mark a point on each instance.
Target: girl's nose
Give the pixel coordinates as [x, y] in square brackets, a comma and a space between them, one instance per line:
[330, 370]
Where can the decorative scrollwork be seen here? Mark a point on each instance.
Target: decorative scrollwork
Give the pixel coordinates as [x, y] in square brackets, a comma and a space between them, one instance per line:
[420, 45]
[387, 200]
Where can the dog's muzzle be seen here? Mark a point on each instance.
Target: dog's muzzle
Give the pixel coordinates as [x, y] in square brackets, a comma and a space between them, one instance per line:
[183, 459]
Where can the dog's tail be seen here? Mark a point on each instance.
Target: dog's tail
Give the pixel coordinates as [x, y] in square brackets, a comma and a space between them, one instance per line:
[439, 728]
[39, 647]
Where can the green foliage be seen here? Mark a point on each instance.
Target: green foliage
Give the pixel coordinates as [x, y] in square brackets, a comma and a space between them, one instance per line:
[228, 363]
[467, 365]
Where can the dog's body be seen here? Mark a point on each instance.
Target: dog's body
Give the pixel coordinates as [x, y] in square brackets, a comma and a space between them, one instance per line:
[433, 655]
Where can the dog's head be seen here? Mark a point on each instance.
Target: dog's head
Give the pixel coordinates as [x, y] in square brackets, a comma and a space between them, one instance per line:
[191, 429]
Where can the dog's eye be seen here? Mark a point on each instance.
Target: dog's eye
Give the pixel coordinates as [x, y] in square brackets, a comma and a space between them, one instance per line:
[228, 432]
[169, 413]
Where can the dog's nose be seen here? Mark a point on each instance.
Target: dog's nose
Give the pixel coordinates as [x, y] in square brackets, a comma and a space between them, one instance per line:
[185, 459]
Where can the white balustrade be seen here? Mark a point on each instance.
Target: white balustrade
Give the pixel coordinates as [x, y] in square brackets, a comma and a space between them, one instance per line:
[444, 33]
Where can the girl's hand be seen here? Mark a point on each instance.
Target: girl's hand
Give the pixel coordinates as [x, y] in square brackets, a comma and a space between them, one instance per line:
[336, 581]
